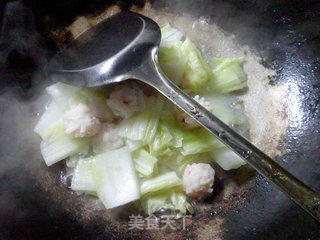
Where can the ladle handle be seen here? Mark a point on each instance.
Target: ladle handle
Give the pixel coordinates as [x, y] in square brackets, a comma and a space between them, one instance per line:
[299, 192]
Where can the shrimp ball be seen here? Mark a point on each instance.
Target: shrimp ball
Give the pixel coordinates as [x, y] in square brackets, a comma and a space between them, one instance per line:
[197, 180]
[79, 121]
[126, 99]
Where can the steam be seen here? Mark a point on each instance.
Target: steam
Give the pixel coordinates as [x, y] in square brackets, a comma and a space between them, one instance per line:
[21, 59]
[18, 34]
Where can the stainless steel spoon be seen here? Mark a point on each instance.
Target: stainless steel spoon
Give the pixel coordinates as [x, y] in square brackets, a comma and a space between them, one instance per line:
[124, 47]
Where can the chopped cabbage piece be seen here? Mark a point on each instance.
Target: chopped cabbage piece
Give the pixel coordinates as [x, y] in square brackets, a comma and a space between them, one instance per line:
[196, 72]
[82, 179]
[49, 118]
[170, 36]
[227, 159]
[174, 200]
[172, 139]
[65, 96]
[156, 202]
[72, 161]
[108, 139]
[133, 128]
[172, 62]
[142, 126]
[162, 140]
[182, 61]
[144, 162]
[115, 178]
[198, 141]
[221, 108]
[227, 75]
[60, 93]
[160, 182]
[58, 146]
[133, 145]
[180, 203]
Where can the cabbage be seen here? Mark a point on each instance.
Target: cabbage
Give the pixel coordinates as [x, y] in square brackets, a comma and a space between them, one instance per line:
[49, 118]
[108, 139]
[179, 201]
[175, 146]
[172, 62]
[153, 203]
[227, 159]
[142, 126]
[162, 140]
[197, 141]
[173, 199]
[72, 161]
[65, 96]
[161, 182]
[60, 93]
[58, 146]
[82, 179]
[170, 36]
[227, 75]
[115, 178]
[169, 133]
[182, 61]
[134, 128]
[221, 109]
[196, 72]
[133, 145]
[144, 162]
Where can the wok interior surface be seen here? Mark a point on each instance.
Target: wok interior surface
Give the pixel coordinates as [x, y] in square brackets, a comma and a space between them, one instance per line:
[34, 202]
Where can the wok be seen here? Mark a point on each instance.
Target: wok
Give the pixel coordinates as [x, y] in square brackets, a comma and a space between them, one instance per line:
[35, 202]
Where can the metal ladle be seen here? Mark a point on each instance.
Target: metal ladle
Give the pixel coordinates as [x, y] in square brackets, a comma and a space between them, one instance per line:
[125, 46]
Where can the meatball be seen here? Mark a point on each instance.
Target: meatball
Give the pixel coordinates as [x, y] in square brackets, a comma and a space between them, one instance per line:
[197, 180]
[79, 121]
[187, 121]
[126, 99]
